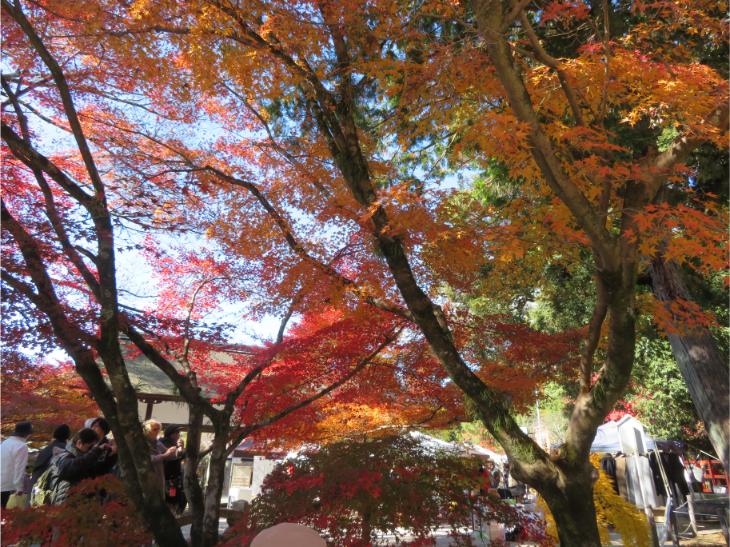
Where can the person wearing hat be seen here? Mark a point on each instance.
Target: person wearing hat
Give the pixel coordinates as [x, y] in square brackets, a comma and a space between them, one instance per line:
[13, 460]
[174, 489]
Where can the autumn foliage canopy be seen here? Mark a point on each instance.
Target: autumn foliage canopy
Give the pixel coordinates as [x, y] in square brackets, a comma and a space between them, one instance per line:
[387, 182]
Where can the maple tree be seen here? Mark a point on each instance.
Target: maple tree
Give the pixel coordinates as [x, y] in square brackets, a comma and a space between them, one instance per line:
[612, 510]
[49, 269]
[46, 396]
[282, 394]
[350, 491]
[314, 146]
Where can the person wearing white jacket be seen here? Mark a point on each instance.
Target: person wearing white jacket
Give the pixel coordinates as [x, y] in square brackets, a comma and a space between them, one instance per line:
[13, 460]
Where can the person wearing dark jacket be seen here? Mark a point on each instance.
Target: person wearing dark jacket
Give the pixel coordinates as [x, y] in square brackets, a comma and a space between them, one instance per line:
[60, 436]
[84, 460]
[109, 459]
[174, 488]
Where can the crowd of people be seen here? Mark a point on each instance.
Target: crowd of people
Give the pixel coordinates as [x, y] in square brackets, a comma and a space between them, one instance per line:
[498, 478]
[91, 452]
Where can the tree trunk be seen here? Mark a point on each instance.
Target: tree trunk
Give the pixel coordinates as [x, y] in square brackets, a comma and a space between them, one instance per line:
[166, 529]
[704, 368]
[367, 529]
[193, 491]
[142, 484]
[214, 489]
[570, 499]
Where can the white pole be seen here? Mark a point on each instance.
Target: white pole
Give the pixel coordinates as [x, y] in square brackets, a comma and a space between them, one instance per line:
[647, 510]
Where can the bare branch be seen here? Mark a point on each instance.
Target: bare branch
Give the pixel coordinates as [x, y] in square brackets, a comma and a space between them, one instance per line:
[514, 13]
[191, 307]
[553, 63]
[60, 80]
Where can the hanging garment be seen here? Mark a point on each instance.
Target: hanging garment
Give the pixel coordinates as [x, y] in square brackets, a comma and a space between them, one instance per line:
[656, 475]
[675, 475]
[622, 476]
[608, 464]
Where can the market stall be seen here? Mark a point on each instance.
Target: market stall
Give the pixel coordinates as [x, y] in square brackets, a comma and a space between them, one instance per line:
[626, 442]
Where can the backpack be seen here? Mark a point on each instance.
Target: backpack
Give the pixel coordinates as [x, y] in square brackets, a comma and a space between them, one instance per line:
[46, 487]
[43, 488]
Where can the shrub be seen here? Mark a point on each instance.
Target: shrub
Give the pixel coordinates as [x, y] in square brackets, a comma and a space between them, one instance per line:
[348, 491]
[96, 512]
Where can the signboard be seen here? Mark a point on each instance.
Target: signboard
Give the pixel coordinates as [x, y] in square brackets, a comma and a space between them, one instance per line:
[241, 475]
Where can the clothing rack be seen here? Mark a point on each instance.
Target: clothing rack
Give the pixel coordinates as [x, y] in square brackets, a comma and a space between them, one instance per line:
[672, 505]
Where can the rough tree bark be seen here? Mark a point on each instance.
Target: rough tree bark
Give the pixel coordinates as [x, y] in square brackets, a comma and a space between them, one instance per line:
[214, 488]
[702, 364]
[193, 491]
[118, 402]
[570, 498]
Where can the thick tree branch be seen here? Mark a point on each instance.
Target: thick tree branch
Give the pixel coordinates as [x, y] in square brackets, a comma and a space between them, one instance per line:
[189, 392]
[679, 151]
[59, 79]
[594, 336]
[22, 287]
[35, 160]
[491, 406]
[489, 18]
[514, 13]
[553, 63]
[73, 339]
[591, 407]
[50, 205]
[335, 123]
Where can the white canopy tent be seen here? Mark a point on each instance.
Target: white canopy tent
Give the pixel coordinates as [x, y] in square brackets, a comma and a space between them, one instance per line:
[628, 437]
[463, 448]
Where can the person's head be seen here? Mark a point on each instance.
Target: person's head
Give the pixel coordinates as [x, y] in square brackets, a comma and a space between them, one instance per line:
[62, 433]
[101, 426]
[172, 433]
[23, 429]
[152, 429]
[85, 439]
